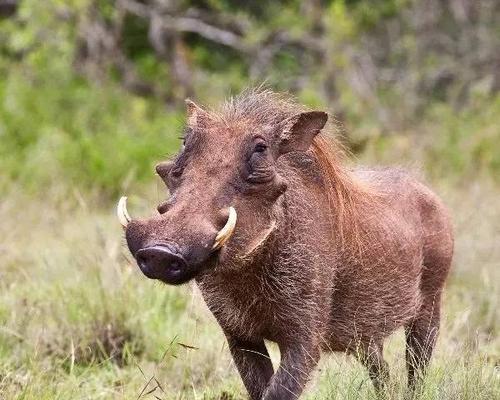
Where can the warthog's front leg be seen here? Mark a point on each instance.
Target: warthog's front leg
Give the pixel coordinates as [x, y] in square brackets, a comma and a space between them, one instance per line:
[253, 363]
[297, 363]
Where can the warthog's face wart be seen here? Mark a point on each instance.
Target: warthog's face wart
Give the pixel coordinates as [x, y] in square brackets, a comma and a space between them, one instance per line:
[224, 190]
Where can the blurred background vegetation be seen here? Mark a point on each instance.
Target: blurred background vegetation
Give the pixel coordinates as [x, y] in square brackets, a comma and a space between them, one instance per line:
[91, 92]
[91, 96]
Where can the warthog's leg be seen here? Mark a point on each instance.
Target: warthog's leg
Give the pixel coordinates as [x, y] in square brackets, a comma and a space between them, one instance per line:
[253, 363]
[372, 357]
[421, 335]
[297, 363]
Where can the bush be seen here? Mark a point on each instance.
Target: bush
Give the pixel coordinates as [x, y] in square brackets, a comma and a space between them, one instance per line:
[85, 135]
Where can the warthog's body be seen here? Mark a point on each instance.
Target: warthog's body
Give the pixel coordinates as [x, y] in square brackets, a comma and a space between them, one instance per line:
[337, 261]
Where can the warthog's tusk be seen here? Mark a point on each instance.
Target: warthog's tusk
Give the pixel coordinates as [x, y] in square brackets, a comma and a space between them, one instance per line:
[122, 213]
[226, 232]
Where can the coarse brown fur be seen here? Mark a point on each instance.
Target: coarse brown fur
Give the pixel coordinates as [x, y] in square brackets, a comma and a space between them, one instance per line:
[322, 258]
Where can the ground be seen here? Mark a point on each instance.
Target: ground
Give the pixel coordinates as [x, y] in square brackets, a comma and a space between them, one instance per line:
[78, 320]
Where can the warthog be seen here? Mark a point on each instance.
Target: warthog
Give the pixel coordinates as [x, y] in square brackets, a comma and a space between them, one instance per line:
[287, 244]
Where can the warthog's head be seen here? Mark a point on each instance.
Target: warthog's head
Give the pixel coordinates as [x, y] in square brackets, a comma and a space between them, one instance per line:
[224, 188]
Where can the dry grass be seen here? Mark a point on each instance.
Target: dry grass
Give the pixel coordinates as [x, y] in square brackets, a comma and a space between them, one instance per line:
[77, 320]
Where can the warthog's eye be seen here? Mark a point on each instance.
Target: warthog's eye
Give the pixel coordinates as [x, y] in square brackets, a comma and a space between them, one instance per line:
[260, 148]
[259, 164]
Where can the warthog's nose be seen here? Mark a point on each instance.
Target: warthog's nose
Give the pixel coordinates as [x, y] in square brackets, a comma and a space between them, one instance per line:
[161, 262]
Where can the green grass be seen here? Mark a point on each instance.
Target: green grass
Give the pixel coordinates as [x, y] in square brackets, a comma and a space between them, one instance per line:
[77, 319]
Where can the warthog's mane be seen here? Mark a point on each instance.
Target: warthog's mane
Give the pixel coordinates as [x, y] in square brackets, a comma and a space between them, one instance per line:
[349, 199]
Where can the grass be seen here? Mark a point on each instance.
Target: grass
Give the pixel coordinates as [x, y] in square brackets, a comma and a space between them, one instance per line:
[77, 319]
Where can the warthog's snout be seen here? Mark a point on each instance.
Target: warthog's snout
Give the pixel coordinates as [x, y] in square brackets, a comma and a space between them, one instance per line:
[171, 262]
[172, 247]
[162, 262]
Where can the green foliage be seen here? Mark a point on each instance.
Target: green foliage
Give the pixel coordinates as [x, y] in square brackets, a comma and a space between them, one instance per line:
[468, 142]
[65, 116]
[86, 135]
[57, 126]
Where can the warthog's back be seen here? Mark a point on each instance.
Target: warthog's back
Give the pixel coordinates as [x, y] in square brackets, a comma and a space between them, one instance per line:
[384, 286]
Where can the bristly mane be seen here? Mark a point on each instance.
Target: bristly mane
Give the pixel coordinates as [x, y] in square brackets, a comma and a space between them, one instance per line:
[348, 197]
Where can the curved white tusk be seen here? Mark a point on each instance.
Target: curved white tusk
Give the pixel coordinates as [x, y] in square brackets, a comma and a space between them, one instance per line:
[225, 233]
[122, 213]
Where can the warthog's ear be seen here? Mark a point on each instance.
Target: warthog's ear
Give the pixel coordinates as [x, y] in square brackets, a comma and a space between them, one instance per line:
[299, 131]
[195, 114]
